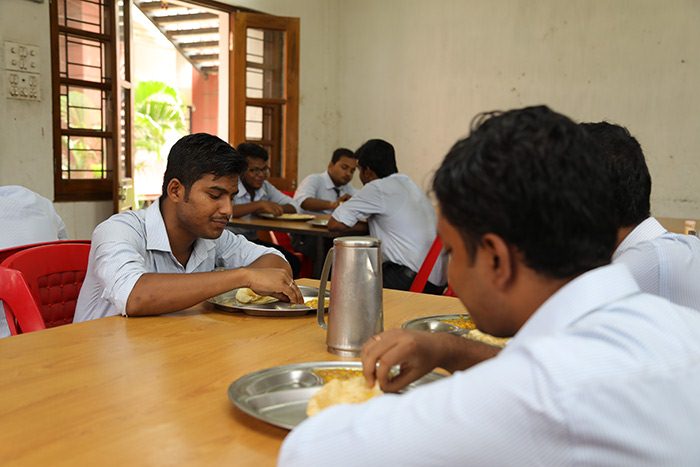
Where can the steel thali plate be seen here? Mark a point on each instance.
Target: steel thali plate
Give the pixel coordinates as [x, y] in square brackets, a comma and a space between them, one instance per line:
[459, 324]
[279, 395]
[288, 216]
[227, 302]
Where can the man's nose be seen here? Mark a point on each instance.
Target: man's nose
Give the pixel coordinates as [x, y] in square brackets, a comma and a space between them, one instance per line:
[226, 207]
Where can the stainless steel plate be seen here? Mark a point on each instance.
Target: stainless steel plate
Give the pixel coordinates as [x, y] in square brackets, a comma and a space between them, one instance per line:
[319, 222]
[288, 216]
[439, 323]
[279, 395]
[227, 302]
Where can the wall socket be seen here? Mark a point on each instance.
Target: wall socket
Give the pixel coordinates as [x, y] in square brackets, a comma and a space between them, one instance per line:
[22, 71]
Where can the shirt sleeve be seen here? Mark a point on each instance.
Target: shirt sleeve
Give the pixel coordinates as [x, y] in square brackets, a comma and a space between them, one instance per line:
[276, 196]
[235, 251]
[119, 260]
[306, 189]
[361, 206]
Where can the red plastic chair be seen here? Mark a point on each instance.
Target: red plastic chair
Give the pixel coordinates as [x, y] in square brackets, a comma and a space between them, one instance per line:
[282, 239]
[53, 275]
[427, 267]
[6, 252]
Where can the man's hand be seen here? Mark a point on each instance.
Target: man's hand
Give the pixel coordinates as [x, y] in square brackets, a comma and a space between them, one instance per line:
[275, 282]
[418, 353]
[344, 198]
[269, 207]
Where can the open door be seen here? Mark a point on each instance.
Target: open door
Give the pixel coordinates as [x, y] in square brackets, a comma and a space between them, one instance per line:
[264, 90]
[124, 196]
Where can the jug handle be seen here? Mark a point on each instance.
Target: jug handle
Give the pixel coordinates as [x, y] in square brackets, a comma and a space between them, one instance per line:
[321, 307]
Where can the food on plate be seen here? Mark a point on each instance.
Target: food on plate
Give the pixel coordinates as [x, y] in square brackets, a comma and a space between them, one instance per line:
[479, 336]
[329, 374]
[462, 322]
[341, 391]
[248, 297]
[313, 302]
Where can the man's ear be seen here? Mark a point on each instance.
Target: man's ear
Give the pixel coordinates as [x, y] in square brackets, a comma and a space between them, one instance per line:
[499, 260]
[176, 191]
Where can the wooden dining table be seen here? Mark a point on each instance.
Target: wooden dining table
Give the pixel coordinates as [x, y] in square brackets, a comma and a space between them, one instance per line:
[153, 390]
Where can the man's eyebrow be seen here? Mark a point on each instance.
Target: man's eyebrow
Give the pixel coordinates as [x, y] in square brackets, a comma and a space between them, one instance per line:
[220, 189]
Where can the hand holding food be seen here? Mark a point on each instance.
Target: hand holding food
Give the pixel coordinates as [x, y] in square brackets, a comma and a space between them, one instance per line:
[248, 297]
[274, 282]
[270, 207]
[414, 351]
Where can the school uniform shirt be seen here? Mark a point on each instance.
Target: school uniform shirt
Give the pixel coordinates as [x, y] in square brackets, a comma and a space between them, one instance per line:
[267, 192]
[133, 243]
[663, 263]
[25, 218]
[600, 375]
[321, 186]
[401, 216]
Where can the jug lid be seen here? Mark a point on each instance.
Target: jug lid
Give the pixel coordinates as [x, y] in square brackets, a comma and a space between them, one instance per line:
[365, 242]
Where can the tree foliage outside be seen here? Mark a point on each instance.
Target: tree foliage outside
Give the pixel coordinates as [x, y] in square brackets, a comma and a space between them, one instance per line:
[158, 109]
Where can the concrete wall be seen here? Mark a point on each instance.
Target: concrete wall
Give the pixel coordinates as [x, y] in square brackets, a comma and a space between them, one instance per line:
[415, 73]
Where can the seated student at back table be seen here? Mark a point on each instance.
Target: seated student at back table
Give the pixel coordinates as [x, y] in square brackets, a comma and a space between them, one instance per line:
[598, 372]
[162, 259]
[256, 196]
[323, 192]
[662, 263]
[25, 218]
[397, 212]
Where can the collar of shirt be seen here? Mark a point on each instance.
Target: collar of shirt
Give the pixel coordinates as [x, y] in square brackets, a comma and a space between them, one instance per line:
[244, 196]
[584, 294]
[328, 182]
[157, 238]
[648, 229]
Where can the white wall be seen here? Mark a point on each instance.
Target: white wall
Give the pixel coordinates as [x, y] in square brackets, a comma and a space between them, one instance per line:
[26, 147]
[415, 73]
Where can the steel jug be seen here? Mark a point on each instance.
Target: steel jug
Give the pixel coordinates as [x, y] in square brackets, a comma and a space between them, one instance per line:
[355, 310]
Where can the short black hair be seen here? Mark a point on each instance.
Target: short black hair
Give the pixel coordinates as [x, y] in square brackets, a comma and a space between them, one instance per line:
[379, 156]
[253, 150]
[193, 156]
[627, 168]
[342, 152]
[533, 177]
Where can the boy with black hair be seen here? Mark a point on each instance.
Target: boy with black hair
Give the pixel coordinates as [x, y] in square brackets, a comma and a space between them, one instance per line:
[597, 373]
[162, 259]
[323, 192]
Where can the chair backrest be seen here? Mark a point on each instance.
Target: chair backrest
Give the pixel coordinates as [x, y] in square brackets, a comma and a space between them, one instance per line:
[427, 267]
[54, 275]
[19, 305]
[7, 252]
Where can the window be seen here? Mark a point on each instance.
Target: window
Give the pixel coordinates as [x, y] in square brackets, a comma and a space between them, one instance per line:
[87, 104]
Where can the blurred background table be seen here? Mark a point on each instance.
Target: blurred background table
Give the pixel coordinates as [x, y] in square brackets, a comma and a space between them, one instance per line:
[152, 390]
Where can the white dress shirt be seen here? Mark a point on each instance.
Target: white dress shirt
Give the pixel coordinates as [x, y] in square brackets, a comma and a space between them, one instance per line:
[401, 216]
[663, 263]
[26, 218]
[267, 192]
[133, 243]
[601, 375]
[320, 186]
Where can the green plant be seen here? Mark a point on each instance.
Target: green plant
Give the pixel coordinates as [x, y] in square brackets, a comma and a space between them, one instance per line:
[158, 109]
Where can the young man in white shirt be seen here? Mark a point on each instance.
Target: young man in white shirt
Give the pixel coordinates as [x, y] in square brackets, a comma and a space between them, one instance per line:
[662, 263]
[392, 208]
[26, 217]
[597, 373]
[323, 192]
[256, 195]
[162, 259]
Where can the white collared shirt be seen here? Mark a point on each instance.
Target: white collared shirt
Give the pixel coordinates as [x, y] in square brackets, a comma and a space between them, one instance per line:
[267, 192]
[600, 375]
[663, 263]
[401, 216]
[320, 186]
[26, 218]
[133, 243]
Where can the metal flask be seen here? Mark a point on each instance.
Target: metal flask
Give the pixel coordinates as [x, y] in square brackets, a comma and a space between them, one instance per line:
[355, 310]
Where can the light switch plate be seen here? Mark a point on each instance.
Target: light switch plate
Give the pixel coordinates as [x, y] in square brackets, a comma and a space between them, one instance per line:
[21, 57]
[21, 85]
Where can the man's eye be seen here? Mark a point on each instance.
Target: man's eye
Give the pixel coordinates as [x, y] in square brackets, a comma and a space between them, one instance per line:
[213, 196]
